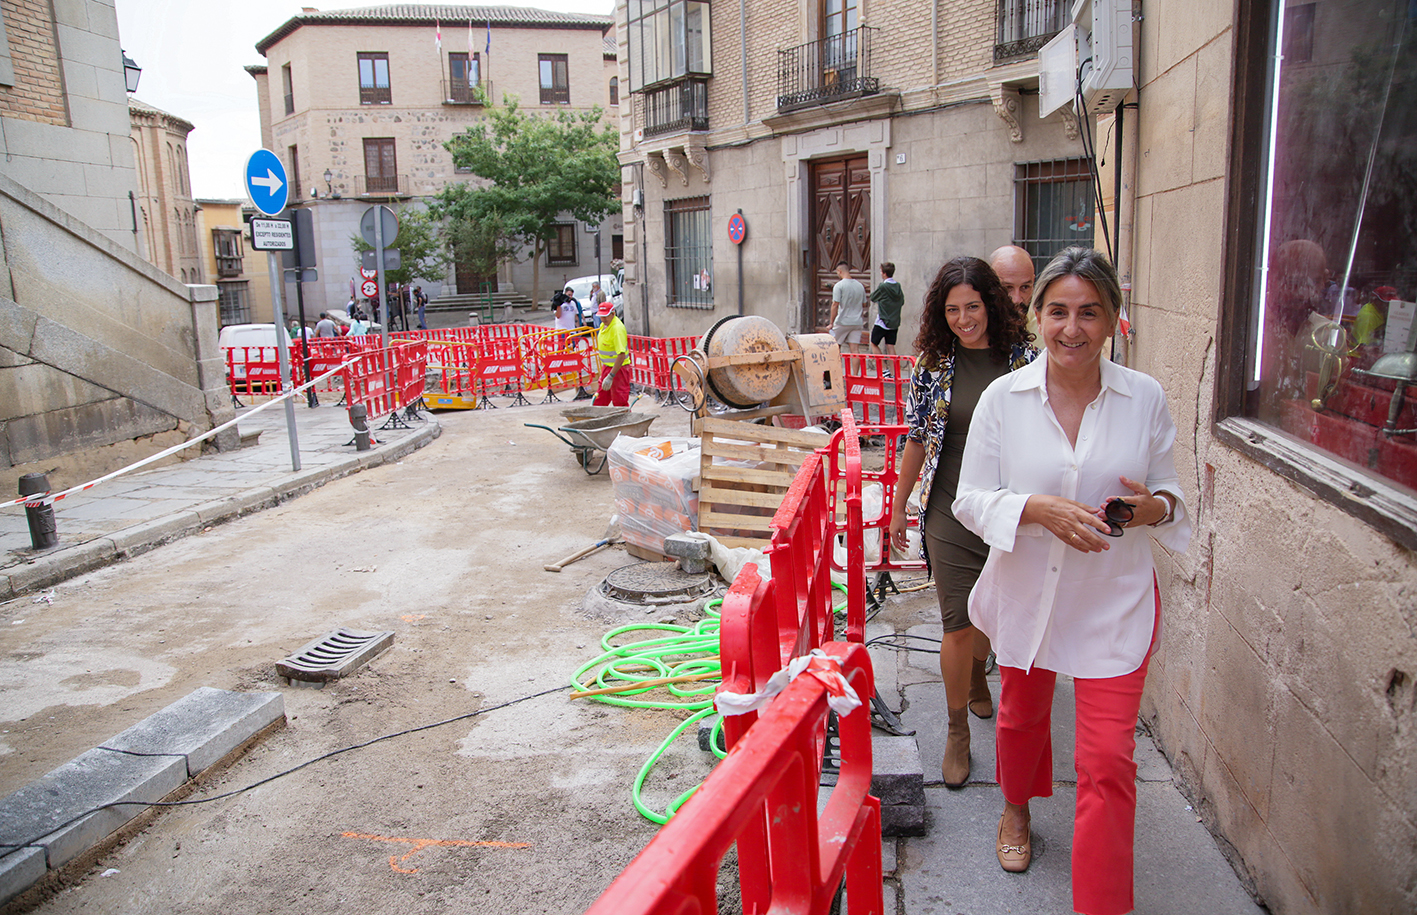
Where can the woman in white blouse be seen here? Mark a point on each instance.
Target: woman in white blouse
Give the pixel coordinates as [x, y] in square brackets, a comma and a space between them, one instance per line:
[1065, 590]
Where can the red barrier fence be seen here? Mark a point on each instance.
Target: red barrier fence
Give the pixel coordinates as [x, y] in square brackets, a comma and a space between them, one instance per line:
[253, 370]
[384, 380]
[876, 386]
[847, 482]
[763, 797]
[557, 360]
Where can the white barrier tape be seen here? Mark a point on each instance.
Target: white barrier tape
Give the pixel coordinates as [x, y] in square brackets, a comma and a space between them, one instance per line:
[818, 664]
[38, 499]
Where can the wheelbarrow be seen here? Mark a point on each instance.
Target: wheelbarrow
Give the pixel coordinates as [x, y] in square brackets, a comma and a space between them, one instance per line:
[588, 436]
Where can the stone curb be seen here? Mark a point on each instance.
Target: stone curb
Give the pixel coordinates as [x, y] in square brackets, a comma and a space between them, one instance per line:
[145, 763]
[70, 561]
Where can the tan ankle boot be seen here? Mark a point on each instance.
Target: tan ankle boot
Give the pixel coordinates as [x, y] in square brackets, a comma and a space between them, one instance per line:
[980, 702]
[956, 764]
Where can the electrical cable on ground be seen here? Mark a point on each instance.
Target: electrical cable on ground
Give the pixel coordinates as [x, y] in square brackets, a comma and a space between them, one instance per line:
[651, 661]
[14, 847]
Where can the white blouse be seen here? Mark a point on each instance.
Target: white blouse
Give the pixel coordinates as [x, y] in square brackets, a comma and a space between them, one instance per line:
[1040, 601]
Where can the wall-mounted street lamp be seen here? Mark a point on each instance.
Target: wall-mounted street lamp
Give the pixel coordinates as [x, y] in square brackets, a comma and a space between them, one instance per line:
[330, 191]
[131, 72]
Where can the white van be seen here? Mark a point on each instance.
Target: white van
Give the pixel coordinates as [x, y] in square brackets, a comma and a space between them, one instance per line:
[236, 336]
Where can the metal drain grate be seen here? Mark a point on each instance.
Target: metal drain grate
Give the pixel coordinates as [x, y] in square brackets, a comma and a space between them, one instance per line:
[334, 655]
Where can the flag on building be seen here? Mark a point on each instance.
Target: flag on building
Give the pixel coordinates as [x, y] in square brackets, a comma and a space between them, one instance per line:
[437, 35]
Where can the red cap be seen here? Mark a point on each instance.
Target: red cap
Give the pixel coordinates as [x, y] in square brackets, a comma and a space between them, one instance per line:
[606, 308]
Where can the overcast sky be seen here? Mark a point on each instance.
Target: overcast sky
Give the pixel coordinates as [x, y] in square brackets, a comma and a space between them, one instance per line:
[192, 53]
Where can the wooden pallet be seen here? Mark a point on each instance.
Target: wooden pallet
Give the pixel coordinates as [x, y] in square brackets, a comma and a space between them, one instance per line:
[737, 501]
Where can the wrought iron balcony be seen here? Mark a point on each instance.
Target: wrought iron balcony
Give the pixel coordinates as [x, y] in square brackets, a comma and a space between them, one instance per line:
[1027, 25]
[676, 108]
[461, 92]
[834, 68]
[381, 185]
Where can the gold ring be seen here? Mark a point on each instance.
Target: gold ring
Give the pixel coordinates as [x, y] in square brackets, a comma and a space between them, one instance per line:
[1073, 536]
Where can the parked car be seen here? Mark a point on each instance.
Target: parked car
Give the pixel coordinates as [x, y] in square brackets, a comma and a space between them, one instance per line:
[581, 287]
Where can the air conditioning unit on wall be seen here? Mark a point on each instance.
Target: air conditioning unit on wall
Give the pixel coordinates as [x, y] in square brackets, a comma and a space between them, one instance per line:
[1099, 43]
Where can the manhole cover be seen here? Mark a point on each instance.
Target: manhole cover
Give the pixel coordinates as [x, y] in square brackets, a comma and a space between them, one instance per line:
[334, 655]
[656, 583]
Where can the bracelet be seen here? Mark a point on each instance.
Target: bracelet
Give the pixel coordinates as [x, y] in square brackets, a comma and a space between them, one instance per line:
[1170, 501]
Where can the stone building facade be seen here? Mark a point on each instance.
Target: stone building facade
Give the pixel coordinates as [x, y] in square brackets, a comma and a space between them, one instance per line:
[1286, 689]
[241, 275]
[897, 131]
[167, 211]
[369, 97]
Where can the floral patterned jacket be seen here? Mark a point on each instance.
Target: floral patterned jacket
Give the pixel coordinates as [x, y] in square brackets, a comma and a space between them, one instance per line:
[927, 409]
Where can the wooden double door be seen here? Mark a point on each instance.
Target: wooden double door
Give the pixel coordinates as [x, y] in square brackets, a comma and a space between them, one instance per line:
[841, 227]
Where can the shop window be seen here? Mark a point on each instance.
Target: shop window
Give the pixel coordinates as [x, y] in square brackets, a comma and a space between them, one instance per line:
[1321, 279]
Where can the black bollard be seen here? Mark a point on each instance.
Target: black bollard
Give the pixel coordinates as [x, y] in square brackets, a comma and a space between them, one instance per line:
[359, 419]
[43, 531]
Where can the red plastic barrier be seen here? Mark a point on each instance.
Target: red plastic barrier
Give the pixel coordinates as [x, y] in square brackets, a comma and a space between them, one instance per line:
[253, 371]
[763, 797]
[876, 386]
[641, 361]
[386, 379]
[847, 481]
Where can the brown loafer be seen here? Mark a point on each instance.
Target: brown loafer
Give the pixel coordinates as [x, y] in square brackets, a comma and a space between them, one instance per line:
[1014, 858]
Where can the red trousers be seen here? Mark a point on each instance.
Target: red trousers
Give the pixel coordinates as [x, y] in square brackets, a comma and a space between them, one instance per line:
[618, 393]
[1105, 818]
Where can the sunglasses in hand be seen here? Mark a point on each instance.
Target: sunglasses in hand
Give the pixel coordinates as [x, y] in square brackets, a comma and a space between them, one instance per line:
[1116, 513]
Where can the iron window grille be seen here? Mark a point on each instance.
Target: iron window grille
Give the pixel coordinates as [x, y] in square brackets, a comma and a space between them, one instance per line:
[688, 252]
[1053, 207]
[234, 302]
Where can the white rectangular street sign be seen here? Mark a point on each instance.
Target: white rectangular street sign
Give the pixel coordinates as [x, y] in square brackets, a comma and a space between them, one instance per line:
[272, 235]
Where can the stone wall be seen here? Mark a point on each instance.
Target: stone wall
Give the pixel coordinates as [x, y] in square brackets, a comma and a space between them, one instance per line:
[71, 147]
[104, 359]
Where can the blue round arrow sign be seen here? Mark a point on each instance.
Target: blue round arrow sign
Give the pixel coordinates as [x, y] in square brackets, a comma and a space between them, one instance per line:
[266, 182]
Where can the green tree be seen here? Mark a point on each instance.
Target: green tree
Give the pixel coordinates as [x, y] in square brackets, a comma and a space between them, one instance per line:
[538, 167]
[423, 251]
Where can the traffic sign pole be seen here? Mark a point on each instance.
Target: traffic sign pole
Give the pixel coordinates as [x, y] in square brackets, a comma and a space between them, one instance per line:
[283, 357]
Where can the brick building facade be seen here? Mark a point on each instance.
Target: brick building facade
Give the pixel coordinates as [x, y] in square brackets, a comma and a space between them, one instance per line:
[167, 212]
[369, 97]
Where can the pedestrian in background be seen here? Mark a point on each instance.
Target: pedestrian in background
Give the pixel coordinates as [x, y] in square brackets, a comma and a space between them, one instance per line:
[325, 327]
[1068, 475]
[970, 334]
[422, 298]
[848, 319]
[889, 298]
